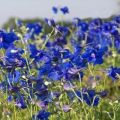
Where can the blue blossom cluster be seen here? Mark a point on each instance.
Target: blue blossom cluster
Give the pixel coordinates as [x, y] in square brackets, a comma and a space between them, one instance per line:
[64, 10]
[33, 63]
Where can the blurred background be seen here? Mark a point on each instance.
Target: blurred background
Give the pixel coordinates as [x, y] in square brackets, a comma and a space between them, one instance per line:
[42, 8]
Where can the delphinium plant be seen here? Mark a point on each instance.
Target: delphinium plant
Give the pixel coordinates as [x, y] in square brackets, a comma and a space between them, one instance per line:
[71, 73]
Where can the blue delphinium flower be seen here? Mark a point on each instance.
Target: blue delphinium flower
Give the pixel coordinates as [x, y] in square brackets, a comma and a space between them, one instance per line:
[61, 41]
[50, 22]
[55, 10]
[14, 77]
[32, 30]
[43, 95]
[65, 66]
[35, 28]
[20, 102]
[6, 39]
[38, 55]
[76, 22]
[117, 43]
[62, 29]
[41, 115]
[94, 55]
[64, 10]
[13, 57]
[80, 35]
[83, 26]
[44, 69]
[54, 75]
[107, 27]
[113, 72]
[88, 96]
[95, 23]
[78, 61]
[66, 53]
[10, 98]
[33, 50]
[10, 37]
[103, 93]
[117, 19]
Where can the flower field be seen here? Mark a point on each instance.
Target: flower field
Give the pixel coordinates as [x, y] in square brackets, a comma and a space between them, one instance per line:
[69, 73]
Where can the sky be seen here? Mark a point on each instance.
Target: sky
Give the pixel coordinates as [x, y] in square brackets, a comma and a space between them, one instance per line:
[42, 8]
